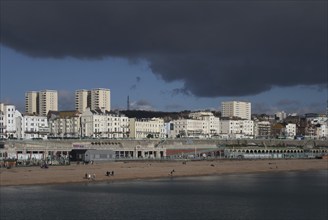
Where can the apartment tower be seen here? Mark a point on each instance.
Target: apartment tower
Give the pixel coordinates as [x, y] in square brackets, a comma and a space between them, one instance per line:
[32, 102]
[82, 100]
[100, 99]
[41, 102]
[236, 109]
[48, 101]
[94, 99]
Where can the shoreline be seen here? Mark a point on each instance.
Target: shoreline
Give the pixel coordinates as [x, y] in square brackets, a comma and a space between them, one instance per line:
[136, 170]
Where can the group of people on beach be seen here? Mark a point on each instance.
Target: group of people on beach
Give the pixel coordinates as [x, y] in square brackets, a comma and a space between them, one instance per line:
[89, 176]
[108, 173]
[172, 172]
[85, 162]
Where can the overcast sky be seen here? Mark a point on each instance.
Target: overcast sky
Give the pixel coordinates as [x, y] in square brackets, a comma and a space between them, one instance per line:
[168, 55]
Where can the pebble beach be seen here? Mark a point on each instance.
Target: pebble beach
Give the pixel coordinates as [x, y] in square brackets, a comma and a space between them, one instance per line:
[134, 170]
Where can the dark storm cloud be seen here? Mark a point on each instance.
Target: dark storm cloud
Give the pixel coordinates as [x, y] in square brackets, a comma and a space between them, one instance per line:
[178, 91]
[217, 48]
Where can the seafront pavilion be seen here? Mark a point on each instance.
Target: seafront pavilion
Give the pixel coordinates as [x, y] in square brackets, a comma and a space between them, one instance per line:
[158, 149]
[43, 149]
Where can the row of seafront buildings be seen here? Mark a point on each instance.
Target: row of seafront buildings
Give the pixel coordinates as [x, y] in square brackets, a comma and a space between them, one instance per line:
[100, 124]
[93, 118]
[108, 124]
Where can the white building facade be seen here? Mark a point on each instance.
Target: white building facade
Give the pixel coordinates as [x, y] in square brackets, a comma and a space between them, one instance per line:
[64, 124]
[147, 128]
[290, 130]
[188, 128]
[8, 115]
[32, 127]
[98, 124]
[280, 116]
[200, 125]
[211, 124]
[320, 125]
[322, 131]
[237, 128]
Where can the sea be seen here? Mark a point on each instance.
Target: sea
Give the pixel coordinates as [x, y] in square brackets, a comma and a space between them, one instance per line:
[262, 196]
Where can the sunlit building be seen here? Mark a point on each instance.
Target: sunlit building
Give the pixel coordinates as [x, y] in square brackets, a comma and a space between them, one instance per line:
[94, 99]
[8, 128]
[82, 101]
[147, 128]
[237, 128]
[41, 102]
[104, 124]
[238, 109]
[32, 102]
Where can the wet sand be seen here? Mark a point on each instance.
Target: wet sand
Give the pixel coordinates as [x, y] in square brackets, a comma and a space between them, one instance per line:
[75, 173]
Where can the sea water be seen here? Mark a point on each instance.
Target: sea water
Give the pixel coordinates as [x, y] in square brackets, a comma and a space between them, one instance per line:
[276, 196]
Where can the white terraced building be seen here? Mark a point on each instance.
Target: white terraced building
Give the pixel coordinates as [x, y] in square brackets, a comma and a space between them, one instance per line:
[211, 125]
[201, 125]
[32, 126]
[64, 124]
[147, 128]
[188, 128]
[237, 128]
[15, 125]
[8, 115]
[99, 124]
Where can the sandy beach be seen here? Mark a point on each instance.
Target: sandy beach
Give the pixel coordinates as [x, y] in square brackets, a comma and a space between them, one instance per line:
[75, 173]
